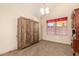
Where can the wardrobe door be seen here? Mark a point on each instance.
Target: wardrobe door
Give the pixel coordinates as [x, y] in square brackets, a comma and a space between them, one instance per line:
[36, 32]
[23, 33]
[31, 32]
[19, 33]
[28, 41]
[26, 33]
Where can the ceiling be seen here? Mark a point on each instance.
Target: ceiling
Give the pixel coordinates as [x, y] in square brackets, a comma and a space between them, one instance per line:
[34, 8]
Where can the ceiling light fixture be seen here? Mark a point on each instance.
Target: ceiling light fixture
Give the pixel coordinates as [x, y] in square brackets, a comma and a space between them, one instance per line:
[44, 10]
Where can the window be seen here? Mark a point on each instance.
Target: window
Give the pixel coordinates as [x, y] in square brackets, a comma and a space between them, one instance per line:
[57, 26]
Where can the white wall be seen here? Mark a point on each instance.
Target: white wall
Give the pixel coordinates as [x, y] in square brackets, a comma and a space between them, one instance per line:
[57, 11]
[8, 23]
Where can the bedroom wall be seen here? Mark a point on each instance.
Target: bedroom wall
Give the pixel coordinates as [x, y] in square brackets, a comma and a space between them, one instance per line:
[8, 23]
[58, 11]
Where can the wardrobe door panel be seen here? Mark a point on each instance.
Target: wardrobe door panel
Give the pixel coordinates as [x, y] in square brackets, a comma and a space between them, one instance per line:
[19, 33]
[28, 32]
[36, 32]
[24, 34]
[31, 32]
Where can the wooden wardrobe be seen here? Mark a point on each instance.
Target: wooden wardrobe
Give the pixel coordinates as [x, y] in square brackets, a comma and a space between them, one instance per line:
[75, 23]
[28, 32]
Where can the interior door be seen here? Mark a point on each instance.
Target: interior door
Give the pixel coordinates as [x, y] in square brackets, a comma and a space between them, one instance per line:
[77, 23]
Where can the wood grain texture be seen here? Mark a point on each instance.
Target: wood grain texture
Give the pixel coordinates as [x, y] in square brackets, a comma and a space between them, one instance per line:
[19, 33]
[28, 32]
[32, 29]
[75, 43]
[36, 32]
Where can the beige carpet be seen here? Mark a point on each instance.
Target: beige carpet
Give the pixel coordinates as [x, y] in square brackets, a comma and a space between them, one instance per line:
[43, 48]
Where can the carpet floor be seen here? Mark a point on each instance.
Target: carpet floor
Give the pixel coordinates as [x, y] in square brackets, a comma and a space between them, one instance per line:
[43, 48]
